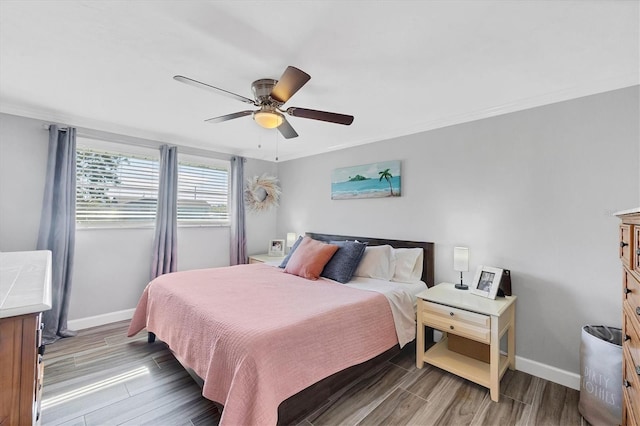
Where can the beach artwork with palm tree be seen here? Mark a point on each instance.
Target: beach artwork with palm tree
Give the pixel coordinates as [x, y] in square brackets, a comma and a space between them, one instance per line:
[374, 180]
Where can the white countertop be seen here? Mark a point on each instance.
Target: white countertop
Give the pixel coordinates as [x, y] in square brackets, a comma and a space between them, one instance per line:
[447, 294]
[25, 282]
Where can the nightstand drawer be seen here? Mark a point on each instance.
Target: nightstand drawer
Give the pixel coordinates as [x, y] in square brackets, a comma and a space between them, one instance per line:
[457, 321]
[459, 315]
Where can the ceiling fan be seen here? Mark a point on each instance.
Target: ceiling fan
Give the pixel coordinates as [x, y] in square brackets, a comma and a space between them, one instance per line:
[270, 95]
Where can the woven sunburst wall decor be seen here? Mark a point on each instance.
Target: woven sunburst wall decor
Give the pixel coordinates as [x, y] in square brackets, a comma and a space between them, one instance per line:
[262, 193]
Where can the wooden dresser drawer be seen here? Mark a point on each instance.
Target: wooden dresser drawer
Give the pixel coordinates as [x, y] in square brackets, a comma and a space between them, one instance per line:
[626, 244]
[629, 417]
[631, 292]
[457, 321]
[631, 389]
[635, 253]
[631, 340]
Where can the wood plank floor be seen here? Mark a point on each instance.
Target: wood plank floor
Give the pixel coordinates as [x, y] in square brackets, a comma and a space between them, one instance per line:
[101, 377]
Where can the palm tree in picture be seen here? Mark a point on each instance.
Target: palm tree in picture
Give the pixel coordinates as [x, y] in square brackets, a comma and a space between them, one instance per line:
[386, 174]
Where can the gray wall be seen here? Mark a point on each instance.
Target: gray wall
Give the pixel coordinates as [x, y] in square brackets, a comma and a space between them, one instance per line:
[531, 191]
[112, 266]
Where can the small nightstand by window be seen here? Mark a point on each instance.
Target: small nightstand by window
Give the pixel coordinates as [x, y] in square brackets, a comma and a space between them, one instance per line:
[265, 258]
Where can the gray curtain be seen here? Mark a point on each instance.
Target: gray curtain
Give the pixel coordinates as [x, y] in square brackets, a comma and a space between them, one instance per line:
[238, 250]
[165, 242]
[58, 228]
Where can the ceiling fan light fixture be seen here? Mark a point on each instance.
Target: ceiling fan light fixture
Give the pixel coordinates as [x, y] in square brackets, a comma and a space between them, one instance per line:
[268, 119]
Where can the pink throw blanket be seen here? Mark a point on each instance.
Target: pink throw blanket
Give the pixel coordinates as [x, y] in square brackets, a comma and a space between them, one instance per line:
[258, 336]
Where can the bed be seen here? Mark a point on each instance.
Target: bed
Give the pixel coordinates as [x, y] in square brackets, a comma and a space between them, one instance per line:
[270, 345]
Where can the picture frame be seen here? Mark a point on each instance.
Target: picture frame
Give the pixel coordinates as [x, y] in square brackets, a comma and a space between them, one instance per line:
[375, 180]
[486, 281]
[276, 248]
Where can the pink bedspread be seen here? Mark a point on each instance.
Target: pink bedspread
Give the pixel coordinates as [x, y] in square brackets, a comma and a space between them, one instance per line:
[257, 335]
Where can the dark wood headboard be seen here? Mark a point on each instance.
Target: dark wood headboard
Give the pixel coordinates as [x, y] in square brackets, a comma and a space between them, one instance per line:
[428, 267]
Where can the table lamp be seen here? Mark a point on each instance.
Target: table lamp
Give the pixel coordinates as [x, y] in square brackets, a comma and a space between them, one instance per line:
[291, 239]
[461, 263]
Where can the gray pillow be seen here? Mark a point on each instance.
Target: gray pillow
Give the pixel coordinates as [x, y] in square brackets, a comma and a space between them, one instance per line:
[293, 248]
[345, 261]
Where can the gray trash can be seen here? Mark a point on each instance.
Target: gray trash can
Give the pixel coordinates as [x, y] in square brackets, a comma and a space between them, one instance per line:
[601, 371]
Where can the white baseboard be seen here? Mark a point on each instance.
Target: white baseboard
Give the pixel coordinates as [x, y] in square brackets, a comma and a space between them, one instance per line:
[547, 372]
[88, 322]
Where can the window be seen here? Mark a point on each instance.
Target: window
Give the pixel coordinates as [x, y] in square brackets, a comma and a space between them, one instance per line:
[203, 191]
[121, 188]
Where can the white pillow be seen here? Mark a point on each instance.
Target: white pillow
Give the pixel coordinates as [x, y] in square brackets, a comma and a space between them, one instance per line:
[408, 264]
[377, 262]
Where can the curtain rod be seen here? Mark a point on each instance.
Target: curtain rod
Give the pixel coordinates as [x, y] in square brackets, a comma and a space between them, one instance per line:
[145, 143]
[48, 126]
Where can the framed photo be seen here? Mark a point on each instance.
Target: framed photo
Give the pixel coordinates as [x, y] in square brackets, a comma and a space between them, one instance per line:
[486, 281]
[276, 248]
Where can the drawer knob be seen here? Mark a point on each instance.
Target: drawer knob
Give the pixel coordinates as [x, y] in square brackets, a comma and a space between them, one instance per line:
[626, 337]
[638, 252]
[626, 290]
[638, 310]
[451, 327]
[451, 313]
[623, 244]
[638, 370]
[626, 384]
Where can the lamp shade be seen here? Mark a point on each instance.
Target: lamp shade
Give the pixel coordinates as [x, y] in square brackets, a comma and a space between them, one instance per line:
[291, 239]
[460, 259]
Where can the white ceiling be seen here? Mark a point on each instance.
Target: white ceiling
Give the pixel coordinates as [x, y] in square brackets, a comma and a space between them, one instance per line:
[400, 67]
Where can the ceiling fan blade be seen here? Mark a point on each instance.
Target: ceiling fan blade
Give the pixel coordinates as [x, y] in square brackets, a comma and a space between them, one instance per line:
[217, 90]
[286, 130]
[331, 117]
[291, 81]
[228, 117]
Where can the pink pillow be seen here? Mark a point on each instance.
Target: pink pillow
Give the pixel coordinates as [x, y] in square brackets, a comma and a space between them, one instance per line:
[309, 258]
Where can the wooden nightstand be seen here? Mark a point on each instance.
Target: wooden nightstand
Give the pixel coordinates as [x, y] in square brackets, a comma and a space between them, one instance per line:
[477, 323]
[265, 258]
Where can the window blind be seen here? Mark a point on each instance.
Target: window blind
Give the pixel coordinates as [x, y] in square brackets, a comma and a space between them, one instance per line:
[117, 187]
[203, 193]
[114, 187]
